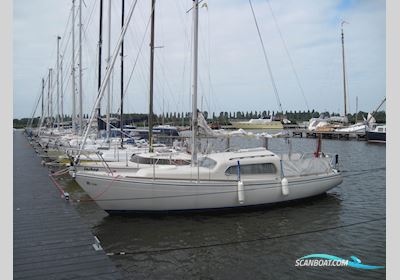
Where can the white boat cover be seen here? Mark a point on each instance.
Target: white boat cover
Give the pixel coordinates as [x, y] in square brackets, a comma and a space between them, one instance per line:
[202, 123]
[306, 166]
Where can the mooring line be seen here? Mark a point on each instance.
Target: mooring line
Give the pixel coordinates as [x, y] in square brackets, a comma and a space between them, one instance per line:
[231, 243]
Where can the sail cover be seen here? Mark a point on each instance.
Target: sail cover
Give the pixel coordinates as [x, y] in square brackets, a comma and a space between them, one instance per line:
[306, 166]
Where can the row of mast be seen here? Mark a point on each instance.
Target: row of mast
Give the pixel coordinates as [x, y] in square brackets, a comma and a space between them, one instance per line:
[150, 119]
[78, 118]
[108, 69]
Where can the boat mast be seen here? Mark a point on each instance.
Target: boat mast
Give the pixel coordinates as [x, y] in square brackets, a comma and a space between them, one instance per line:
[356, 109]
[376, 110]
[48, 97]
[61, 91]
[73, 70]
[51, 96]
[58, 81]
[151, 77]
[41, 120]
[108, 66]
[162, 120]
[106, 78]
[344, 72]
[194, 81]
[80, 70]
[122, 77]
[99, 122]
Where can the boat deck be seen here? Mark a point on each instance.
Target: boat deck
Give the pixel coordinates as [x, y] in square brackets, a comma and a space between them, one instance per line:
[51, 240]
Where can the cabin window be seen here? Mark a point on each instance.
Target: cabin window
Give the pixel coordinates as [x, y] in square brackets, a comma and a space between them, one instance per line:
[252, 169]
[158, 161]
[207, 162]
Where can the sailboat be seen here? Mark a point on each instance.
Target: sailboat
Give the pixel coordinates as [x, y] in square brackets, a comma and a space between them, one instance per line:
[327, 124]
[212, 181]
[60, 145]
[376, 133]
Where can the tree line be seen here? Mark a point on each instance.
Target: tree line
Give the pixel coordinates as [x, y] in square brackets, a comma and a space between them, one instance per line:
[221, 118]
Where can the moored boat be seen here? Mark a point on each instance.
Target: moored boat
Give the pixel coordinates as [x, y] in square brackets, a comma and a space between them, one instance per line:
[377, 135]
[228, 179]
[212, 181]
[258, 124]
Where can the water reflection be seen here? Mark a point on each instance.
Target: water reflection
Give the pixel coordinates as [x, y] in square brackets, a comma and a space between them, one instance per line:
[138, 232]
[258, 242]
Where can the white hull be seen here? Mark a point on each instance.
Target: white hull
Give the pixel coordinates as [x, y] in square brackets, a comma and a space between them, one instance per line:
[357, 128]
[144, 194]
[102, 168]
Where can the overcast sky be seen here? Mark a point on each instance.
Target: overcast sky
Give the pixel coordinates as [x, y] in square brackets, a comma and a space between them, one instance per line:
[233, 74]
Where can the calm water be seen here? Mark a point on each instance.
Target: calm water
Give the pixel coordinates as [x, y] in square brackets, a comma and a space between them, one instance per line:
[261, 243]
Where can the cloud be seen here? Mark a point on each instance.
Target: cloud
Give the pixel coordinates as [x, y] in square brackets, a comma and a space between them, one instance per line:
[232, 72]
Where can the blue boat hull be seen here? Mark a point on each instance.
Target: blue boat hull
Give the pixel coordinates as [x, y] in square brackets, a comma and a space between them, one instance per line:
[377, 137]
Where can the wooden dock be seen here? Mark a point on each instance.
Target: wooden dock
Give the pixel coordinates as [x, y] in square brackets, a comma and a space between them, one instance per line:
[51, 240]
[335, 135]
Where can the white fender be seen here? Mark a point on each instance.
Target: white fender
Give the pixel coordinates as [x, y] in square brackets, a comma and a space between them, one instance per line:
[240, 190]
[285, 186]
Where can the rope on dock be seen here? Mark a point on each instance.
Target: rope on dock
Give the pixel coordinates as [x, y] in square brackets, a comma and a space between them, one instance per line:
[67, 195]
[61, 172]
[58, 186]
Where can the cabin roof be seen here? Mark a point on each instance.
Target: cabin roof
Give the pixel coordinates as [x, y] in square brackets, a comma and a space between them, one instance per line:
[253, 153]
